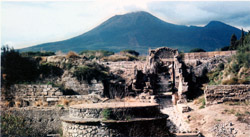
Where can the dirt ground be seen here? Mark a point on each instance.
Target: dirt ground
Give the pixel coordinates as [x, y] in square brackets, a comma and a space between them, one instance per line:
[212, 120]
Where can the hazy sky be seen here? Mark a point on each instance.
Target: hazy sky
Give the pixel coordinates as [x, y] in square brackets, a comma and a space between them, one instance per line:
[28, 23]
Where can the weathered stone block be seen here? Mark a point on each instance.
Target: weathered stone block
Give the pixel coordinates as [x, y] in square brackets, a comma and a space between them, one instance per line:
[58, 93]
[52, 99]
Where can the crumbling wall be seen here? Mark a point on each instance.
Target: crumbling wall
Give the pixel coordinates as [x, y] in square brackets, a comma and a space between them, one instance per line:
[205, 55]
[83, 87]
[221, 93]
[125, 69]
[164, 53]
[45, 95]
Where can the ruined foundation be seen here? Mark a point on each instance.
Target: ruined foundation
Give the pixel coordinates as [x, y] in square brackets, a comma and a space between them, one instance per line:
[114, 119]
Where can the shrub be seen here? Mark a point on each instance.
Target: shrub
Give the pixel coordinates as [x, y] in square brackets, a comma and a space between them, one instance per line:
[115, 58]
[235, 67]
[129, 51]
[106, 113]
[48, 69]
[221, 66]
[202, 101]
[37, 53]
[67, 66]
[197, 50]
[96, 53]
[12, 125]
[226, 48]
[17, 68]
[243, 59]
[91, 71]
[72, 54]
[131, 57]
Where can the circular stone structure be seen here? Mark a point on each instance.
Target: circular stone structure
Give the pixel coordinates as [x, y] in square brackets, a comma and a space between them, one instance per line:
[115, 119]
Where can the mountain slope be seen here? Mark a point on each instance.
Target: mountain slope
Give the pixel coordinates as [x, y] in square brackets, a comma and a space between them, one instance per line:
[140, 31]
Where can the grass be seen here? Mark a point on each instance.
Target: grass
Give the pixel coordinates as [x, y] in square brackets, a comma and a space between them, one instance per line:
[240, 103]
[59, 105]
[106, 113]
[201, 100]
[243, 117]
[217, 120]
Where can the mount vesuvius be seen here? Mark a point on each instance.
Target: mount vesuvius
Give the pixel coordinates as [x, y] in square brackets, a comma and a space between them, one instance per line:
[140, 31]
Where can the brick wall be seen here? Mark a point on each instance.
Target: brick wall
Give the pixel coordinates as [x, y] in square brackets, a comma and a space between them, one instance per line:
[221, 93]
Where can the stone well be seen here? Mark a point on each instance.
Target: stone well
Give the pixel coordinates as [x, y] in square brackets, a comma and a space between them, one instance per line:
[115, 119]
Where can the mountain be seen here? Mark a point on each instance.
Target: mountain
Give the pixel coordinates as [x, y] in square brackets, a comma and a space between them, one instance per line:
[141, 31]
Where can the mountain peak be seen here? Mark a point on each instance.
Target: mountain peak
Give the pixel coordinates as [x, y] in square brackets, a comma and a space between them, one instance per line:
[215, 23]
[136, 14]
[140, 30]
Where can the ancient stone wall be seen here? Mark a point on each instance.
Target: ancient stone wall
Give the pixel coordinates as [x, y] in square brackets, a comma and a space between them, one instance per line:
[204, 55]
[96, 113]
[45, 95]
[126, 69]
[221, 93]
[73, 130]
[164, 52]
[119, 119]
[23, 90]
[83, 87]
[42, 120]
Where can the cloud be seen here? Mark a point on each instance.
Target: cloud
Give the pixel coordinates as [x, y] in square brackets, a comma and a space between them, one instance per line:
[200, 13]
[29, 23]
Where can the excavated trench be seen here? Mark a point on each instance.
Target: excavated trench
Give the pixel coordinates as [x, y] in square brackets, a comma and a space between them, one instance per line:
[175, 122]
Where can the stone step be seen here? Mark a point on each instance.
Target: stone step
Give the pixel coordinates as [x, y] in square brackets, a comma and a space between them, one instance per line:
[187, 134]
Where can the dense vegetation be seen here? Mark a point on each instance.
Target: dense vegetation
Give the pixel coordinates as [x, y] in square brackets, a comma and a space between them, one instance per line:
[12, 125]
[16, 68]
[91, 71]
[236, 71]
[37, 53]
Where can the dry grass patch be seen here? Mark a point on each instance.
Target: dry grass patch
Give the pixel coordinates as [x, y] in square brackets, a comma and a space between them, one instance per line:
[130, 99]
[6, 104]
[200, 101]
[18, 103]
[72, 54]
[115, 58]
[38, 103]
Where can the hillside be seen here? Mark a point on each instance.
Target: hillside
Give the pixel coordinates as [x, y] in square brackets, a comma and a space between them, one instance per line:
[140, 31]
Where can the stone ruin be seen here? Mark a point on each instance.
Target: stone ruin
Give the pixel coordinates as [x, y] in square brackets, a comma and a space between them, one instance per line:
[162, 72]
[222, 93]
[115, 119]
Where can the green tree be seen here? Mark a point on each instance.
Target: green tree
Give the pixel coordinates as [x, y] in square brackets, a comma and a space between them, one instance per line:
[16, 68]
[233, 42]
[242, 37]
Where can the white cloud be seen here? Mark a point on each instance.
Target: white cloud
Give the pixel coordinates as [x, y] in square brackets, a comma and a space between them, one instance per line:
[30, 23]
[200, 12]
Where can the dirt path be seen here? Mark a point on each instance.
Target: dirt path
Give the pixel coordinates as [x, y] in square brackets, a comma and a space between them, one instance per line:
[219, 120]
